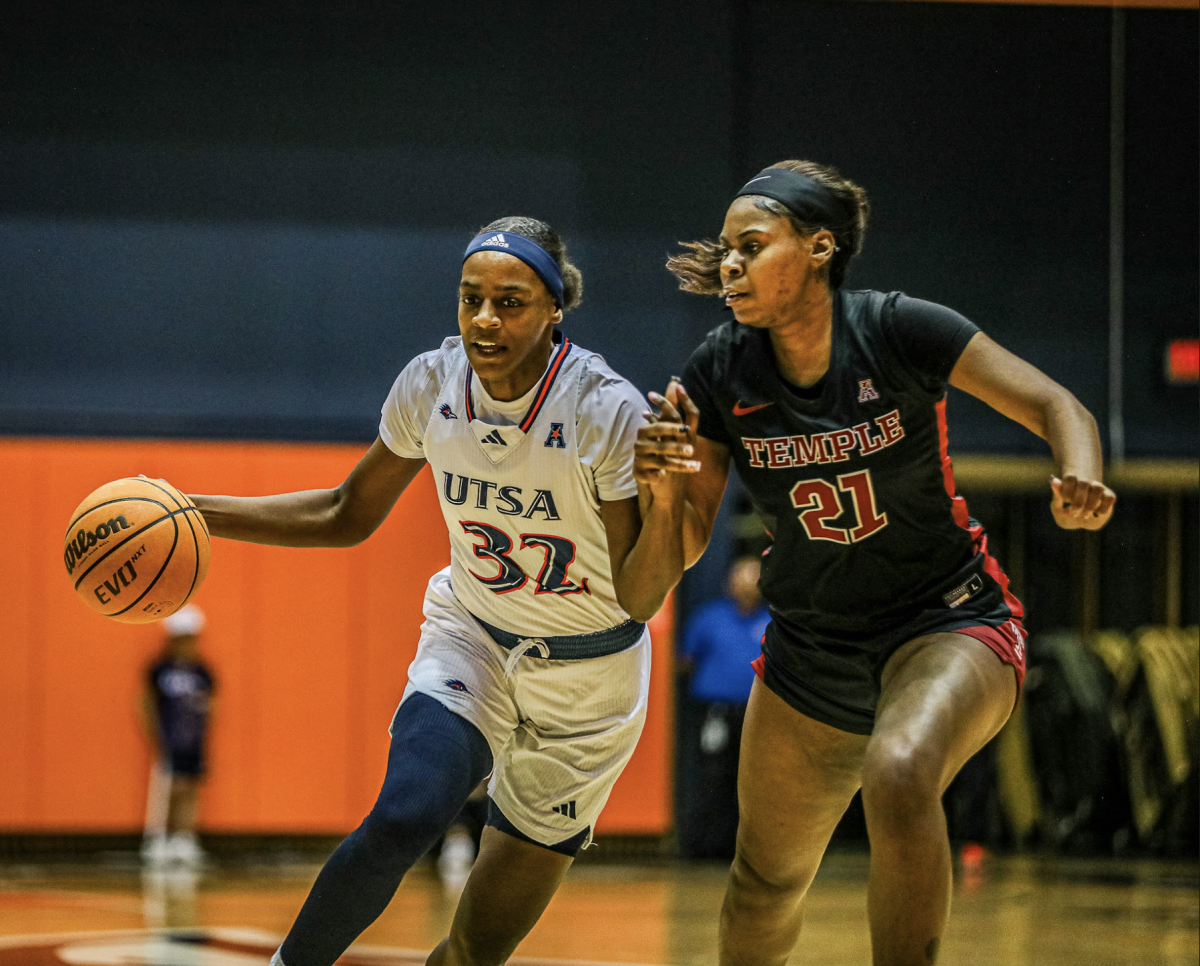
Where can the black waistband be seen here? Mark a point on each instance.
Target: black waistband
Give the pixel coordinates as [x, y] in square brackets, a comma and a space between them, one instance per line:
[573, 647]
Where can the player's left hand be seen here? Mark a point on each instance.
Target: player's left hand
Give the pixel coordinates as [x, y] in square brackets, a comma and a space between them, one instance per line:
[1080, 504]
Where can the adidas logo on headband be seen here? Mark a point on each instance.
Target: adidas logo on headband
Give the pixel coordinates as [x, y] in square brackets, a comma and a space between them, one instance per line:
[496, 241]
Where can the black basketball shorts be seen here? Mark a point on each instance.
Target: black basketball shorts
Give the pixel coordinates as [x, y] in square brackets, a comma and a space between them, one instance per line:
[837, 682]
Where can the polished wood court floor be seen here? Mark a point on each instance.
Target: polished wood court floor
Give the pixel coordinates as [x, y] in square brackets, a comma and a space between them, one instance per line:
[1015, 911]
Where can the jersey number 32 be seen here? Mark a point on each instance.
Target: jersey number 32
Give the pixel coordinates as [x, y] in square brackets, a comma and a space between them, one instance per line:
[496, 546]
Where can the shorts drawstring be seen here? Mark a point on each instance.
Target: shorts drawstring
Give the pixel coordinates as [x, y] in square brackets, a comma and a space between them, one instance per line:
[524, 646]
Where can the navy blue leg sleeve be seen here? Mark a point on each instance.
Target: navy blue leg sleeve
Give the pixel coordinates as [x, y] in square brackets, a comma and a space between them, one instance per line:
[436, 760]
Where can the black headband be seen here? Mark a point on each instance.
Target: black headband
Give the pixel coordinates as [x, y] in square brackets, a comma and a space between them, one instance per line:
[805, 197]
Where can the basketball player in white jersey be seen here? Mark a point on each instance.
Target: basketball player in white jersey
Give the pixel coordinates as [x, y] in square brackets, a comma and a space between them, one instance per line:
[534, 660]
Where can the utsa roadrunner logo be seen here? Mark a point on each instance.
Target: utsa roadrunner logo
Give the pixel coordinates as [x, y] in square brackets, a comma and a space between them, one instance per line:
[447, 412]
[555, 437]
[866, 392]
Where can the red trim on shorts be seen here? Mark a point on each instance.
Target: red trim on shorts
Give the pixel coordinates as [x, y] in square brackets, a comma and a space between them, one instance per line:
[958, 508]
[760, 665]
[1007, 640]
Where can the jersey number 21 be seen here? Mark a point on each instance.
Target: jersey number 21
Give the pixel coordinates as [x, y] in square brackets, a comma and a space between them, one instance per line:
[820, 504]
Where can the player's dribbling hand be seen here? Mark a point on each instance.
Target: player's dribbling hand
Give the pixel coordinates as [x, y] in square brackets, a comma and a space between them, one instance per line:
[1080, 504]
[664, 446]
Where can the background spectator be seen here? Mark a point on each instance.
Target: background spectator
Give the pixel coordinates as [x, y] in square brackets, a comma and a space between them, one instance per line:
[175, 710]
[719, 641]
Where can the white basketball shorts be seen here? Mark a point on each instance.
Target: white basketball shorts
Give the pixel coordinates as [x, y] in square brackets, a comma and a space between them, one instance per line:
[560, 732]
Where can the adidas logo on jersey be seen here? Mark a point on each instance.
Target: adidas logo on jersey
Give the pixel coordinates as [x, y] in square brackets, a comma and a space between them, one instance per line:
[566, 808]
[496, 241]
[494, 437]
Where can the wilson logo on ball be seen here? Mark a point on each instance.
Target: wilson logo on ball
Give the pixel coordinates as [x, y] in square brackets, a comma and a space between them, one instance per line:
[84, 540]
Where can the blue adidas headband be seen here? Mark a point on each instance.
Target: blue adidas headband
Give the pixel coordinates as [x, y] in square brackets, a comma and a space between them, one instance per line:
[805, 197]
[530, 252]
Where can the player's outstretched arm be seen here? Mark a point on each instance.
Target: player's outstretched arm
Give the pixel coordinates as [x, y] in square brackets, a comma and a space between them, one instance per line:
[671, 454]
[341, 517]
[1010, 385]
[681, 479]
[646, 553]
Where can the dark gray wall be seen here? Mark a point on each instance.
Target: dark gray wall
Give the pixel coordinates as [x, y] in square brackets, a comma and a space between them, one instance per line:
[222, 223]
[239, 220]
[1162, 253]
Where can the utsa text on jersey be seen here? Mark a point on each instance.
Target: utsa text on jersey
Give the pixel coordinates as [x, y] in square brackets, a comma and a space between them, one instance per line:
[508, 498]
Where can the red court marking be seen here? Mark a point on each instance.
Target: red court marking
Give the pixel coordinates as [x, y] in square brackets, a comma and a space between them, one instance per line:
[224, 946]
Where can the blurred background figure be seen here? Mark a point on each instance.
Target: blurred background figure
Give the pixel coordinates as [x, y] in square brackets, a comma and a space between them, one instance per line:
[175, 710]
[719, 641]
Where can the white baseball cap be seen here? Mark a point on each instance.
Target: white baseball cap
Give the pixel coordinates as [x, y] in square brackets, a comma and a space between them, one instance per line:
[186, 621]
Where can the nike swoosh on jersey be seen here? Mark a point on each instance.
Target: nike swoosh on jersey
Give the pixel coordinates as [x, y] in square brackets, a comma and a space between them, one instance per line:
[740, 410]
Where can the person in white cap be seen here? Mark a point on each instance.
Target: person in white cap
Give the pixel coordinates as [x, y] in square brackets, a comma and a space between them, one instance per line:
[175, 710]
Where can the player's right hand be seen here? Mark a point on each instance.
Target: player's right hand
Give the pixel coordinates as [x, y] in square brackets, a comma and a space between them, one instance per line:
[1080, 504]
[664, 445]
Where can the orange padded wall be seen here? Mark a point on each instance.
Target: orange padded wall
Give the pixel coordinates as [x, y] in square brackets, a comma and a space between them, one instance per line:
[310, 649]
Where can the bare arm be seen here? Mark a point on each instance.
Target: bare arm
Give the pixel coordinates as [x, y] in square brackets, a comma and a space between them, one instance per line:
[653, 538]
[1028, 396]
[645, 551]
[340, 517]
[683, 473]
[705, 490]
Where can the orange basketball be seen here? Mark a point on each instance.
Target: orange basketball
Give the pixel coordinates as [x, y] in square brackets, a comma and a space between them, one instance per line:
[136, 550]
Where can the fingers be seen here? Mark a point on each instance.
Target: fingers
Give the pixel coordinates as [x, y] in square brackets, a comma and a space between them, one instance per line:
[667, 412]
[687, 408]
[1079, 503]
[663, 446]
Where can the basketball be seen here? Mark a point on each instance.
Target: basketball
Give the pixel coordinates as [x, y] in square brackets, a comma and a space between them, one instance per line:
[136, 550]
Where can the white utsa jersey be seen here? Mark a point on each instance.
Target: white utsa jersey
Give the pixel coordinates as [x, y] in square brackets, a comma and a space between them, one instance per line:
[520, 483]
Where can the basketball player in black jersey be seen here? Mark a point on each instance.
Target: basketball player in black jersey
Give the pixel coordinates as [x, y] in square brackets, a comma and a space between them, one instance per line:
[895, 650]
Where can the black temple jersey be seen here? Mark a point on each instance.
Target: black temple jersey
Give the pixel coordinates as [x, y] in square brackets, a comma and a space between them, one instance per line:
[852, 478]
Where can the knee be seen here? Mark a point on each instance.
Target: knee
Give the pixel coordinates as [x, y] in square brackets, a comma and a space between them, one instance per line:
[768, 877]
[408, 822]
[900, 784]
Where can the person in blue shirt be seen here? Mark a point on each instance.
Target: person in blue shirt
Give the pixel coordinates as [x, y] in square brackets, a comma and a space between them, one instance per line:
[720, 640]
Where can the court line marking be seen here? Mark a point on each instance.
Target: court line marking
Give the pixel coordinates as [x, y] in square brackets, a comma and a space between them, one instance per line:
[250, 934]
